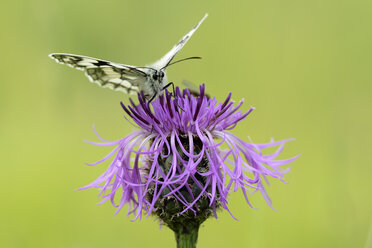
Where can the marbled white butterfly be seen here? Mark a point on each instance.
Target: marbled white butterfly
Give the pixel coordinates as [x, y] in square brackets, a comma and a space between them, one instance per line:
[151, 80]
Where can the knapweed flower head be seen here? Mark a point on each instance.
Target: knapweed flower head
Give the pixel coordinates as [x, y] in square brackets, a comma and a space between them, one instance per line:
[183, 161]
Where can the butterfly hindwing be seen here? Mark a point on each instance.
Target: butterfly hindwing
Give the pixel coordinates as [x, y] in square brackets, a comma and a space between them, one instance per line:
[127, 79]
[113, 78]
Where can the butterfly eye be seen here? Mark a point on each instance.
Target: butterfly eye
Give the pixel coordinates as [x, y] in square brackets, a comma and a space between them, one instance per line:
[161, 74]
[155, 76]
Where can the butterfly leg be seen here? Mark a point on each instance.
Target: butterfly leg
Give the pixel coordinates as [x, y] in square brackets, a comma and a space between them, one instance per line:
[173, 93]
[148, 106]
[151, 99]
[167, 86]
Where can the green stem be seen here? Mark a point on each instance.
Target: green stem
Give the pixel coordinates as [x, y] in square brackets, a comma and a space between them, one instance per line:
[187, 239]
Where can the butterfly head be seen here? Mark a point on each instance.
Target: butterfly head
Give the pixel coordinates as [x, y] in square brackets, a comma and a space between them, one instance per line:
[159, 80]
[158, 75]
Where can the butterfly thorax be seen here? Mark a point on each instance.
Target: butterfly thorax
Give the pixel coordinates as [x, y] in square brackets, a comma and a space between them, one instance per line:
[156, 81]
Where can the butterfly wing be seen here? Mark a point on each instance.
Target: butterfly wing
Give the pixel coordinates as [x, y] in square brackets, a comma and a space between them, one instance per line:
[167, 58]
[193, 89]
[125, 78]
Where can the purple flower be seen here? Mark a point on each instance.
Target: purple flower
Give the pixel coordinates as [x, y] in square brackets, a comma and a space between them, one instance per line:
[183, 161]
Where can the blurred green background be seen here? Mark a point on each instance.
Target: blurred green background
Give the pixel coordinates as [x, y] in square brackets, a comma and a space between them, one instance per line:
[304, 65]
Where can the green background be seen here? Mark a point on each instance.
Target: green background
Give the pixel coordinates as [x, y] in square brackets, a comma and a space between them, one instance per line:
[304, 65]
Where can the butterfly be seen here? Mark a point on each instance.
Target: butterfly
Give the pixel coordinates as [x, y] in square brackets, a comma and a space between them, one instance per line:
[150, 80]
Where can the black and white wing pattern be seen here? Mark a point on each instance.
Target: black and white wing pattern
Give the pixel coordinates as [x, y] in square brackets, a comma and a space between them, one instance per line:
[167, 58]
[115, 76]
[150, 80]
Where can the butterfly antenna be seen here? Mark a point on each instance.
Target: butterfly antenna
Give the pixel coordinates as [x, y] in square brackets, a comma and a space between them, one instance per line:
[180, 61]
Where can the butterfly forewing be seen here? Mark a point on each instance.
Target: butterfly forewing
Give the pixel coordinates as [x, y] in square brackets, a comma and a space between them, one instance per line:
[115, 76]
[167, 58]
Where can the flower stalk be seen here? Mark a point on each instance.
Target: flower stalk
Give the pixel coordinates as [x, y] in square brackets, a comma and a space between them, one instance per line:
[187, 238]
